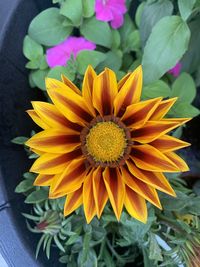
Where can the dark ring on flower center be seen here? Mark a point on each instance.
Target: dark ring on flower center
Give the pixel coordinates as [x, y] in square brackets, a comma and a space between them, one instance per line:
[126, 151]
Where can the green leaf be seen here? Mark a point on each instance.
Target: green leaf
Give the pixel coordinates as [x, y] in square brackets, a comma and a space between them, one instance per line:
[152, 13]
[133, 42]
[72, 9]
[24, 186]
[156, 89]
[165, 47]
[31, 49]
[57, 71]
[20, 140]
[186, 7]
[191, 59]
[115, 39]
[37, 196]
[138, 14]
[184, 109]
[97, 31]
[38, 78]
[47, 27]
[86, 57]
[88, 8]
[155, 252]
[147, 261]
[125, 31]
[86, 247]
[184, 88]
[113, 61]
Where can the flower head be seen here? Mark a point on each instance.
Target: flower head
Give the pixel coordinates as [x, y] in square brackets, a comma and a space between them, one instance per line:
[61, 53]
[103, 143]
[111, 10]
[175, 71]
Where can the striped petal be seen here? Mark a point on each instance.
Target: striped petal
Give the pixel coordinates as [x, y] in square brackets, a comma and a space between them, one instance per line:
[34, 116]
[88, 198]
[73, 201]
[87, 88]
[70, 84]
[123, 80]
[168, 143]
[148, 158]
[135, 205]
[163, 108]
[72, 105]
[43, 180]
[52, 116]
[144, 190]
[105, 90]
[99, 189]
[115, 188]
[136, 115]
[155, 179]
[70, 180]
[178, 161]
[129, 93]
[54, 163]
[55, 141]
[153, 130]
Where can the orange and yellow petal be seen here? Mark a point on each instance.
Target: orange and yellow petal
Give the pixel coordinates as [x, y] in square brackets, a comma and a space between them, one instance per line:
[105, 85]
[116, 189]
[162, 109]
[148, 158]
[87, 87]
[144, 190]
[71, 104]
[129, 93]
[178, 161]
[168, 143]
[135, 205]
[34, 116]
[88, 198]
[136, 115]
[70, 84]
[123, 80]
[153, 130]
[155, 179]
[54, 163]
[55, 141]
[53, 117]
[99, 190]
[73, 201]
[43, 180]
[70, 180]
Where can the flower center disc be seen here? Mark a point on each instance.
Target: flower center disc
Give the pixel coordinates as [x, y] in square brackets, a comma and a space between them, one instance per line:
[106, 142]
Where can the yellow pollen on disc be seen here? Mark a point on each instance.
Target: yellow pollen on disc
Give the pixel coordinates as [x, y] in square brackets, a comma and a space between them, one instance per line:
[106, 142]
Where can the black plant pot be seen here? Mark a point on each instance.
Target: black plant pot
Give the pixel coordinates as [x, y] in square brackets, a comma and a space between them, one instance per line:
[17, 244]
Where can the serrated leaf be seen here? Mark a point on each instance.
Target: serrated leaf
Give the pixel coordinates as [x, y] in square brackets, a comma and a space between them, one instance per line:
[47, 27]
[166, 45]
[97, 31]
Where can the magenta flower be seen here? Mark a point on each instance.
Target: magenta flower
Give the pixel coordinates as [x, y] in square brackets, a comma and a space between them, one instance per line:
[175, 71]
[111, 10]
[61, 53]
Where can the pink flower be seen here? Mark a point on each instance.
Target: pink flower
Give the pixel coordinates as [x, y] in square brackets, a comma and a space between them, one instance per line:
[61, 53]
[111, 10]
[175, 71]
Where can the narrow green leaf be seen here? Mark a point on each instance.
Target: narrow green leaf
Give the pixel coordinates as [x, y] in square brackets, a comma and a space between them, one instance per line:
[37, 196]
[20, 140]
[24, 186]
[58, 244]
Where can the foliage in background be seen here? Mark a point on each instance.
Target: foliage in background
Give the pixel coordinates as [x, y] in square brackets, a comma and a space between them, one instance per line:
[158, 34]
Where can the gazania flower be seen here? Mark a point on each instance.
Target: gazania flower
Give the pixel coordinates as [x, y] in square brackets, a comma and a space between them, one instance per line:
[103, 143]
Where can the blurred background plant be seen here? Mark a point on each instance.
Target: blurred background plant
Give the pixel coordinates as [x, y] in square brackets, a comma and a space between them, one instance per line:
[163, 36]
